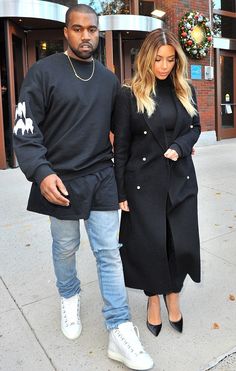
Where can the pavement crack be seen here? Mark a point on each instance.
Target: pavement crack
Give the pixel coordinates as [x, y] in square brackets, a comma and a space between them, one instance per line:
[217, 361]
[37, 301]
[218, 236]
[217, 256]
[219, 190]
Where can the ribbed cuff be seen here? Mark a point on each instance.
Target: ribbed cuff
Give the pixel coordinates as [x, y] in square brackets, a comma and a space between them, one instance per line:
[122, 198]
[176, 148]
[41, 173]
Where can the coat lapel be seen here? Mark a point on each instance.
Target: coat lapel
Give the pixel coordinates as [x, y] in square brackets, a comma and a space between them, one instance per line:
[180, 115]
[156, 126]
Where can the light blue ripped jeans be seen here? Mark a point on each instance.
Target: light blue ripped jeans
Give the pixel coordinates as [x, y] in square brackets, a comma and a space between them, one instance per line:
[102, 229]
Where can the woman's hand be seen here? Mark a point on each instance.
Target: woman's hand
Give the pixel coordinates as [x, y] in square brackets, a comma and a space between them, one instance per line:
[124, 206]
[171, 154]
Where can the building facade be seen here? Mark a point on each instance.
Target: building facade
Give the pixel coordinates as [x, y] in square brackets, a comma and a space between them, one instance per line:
[33, 29]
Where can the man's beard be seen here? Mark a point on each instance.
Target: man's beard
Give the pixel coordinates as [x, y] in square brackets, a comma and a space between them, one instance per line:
[84, 55]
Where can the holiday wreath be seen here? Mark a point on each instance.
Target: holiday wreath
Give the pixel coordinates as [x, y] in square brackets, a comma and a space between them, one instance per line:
[195, 34]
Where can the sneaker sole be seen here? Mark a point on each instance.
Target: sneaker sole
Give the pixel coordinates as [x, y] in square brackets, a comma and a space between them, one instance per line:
[118, 357]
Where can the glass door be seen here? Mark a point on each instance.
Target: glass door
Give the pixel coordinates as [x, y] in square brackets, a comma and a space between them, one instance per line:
[131, 49]
[16, 68]
[227, 123]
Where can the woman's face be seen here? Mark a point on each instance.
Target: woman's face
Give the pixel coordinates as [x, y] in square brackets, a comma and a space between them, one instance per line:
[164, 61]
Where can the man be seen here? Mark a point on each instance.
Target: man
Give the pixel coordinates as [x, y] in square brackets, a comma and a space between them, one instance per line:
[61, 138]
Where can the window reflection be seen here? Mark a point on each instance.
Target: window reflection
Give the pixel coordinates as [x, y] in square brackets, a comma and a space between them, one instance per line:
[224, 26]
[217, 25]
[44, 48]
[115, 7]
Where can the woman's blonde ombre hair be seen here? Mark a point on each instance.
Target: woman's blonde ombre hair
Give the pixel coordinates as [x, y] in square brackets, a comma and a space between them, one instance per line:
[144, 80]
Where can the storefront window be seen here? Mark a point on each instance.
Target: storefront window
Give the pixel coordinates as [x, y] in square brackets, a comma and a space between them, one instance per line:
[224, 26]
[146, 7]
[227, 5]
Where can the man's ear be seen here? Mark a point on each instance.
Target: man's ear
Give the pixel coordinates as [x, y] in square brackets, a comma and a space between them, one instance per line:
[65, 32]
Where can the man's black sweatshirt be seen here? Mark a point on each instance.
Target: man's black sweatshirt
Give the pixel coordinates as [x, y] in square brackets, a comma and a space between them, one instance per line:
[62, 124]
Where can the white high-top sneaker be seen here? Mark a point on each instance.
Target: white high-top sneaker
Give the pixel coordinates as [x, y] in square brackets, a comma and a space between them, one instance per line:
[124, 346]
[70, 317]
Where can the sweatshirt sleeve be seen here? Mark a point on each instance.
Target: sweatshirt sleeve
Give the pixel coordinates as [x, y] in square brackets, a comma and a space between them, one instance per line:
[29, 116]
[184, 144]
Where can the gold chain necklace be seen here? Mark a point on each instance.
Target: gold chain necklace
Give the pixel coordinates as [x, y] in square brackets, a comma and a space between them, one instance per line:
[78, 77]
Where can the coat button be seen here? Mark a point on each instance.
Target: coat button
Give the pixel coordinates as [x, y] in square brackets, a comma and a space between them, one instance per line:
[144, 158]
[191, 126]
[188, 177]
[138, 187]
[145, 132]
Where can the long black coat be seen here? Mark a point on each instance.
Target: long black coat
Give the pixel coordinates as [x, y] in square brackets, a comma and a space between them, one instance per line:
[147, 179]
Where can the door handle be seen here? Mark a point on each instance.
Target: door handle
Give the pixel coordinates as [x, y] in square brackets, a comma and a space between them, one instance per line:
[226, 104]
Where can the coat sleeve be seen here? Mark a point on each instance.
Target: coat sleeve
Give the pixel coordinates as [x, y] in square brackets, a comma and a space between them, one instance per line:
[184, 143]
[27, 137]
[122, 138]
[115, 94]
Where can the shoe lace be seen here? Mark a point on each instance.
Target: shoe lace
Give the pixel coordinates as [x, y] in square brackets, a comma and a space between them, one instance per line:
[70, 310]
[130, 338]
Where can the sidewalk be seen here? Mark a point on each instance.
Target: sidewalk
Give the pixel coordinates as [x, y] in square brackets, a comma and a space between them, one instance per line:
[30, 336]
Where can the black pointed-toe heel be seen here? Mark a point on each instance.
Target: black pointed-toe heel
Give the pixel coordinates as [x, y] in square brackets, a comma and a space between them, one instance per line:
[178, 325]
[155, 329]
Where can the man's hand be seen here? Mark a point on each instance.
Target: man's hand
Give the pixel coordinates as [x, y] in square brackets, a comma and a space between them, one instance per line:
[52, 189]
[171, 154]
[124, 205]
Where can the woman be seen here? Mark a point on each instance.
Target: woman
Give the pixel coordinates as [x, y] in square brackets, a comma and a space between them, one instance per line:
[156, 126]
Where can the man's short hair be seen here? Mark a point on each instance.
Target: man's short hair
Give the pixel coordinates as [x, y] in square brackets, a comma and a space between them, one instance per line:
[81, 8]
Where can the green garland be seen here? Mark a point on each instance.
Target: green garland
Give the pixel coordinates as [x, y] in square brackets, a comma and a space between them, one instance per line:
[195, 47]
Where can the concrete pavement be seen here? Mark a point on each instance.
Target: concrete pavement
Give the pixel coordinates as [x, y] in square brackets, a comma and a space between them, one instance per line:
[30, 336]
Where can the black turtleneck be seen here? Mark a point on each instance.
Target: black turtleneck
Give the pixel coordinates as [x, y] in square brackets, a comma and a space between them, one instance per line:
[166, 105]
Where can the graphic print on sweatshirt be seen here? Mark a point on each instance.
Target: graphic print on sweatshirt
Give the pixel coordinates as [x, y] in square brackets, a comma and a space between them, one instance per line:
[21, 121]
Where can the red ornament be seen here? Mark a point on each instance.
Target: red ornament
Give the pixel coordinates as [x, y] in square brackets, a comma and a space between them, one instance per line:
[189, 42]
[184, 34]
[209, 38]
